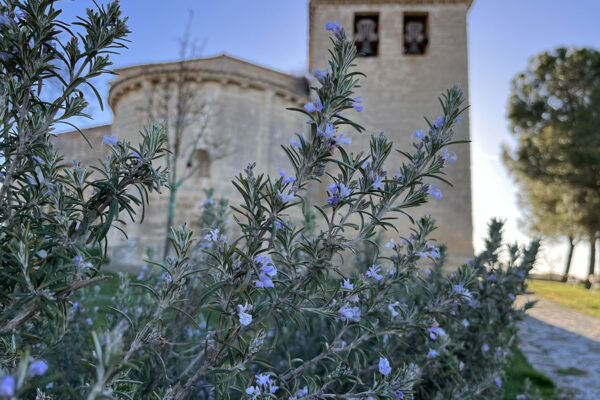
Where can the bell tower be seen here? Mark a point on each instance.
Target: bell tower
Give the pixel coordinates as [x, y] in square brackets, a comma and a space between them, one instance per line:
[413, 50]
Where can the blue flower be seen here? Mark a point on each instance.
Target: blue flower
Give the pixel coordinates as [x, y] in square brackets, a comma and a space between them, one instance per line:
[378, 182]
[38, 159]
[110, 139]
[485, 347]
[366, 164]
[511, 297]
[384, 366]
[347, 285]
[432, 353]
[373, 272]
[244, 316]
[419, 134]
[329, 131]
[333, 26]
[435, 191]
[343, 140]
[465, 323]
[435, 332]
[89, 321]
[264, 380]
[344, 191]
[302, 392]
[314, 106]
[4, 20]
[7, 386]
[357, 103]
[390, 245]
[289, 179]
[285, 197]
[295, 142]
[437, 124]
[267, 271]
[348, 313]
[213, 236]
[457, 120]
[498, 382]
[320, 74]
[135, 154]
[449, 155]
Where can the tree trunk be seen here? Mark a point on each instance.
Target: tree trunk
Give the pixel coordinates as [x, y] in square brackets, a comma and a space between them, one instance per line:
[592, 264]
[569, 258]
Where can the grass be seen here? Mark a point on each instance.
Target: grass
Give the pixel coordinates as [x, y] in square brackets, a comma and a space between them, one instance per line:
[574, 296]
[518, 370]
[572, 371]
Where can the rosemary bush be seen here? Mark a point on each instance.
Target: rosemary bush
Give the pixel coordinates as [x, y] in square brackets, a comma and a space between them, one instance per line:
[267, 314]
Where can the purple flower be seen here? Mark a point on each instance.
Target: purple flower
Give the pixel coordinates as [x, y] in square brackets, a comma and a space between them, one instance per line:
[432, 353]
[366, 164]
[378, 182]
[264, 380]
[38, 367]
[267, 271]
[7, 386]
[511, 297]
[344, 191]
[348, 313]
[485, 347]
[449, 155]
[135, 154]
[213, 236]
[399, 394]
[347, 285]
[499, 382]
[302, 392]
[435, 191]
[373, 272]
[457, 120]
[357, 103]
[89, 321]
[465, 323]
[329, 131]
[435, 332]
[38, 159]
[285, 197]
[289, 179]
[390, 245]
[4, 20]
[437, 124]
[244, 316]
[384, 366]
[314, 106]
[110, 139]
[295, 142]
[320, 74]
[333, 26]
[343, 140]
[419, 134]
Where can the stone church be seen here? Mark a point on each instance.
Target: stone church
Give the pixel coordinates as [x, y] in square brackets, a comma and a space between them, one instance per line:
[413, 51]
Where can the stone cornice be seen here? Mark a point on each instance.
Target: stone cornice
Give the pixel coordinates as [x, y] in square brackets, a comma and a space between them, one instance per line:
[223, 69]
[374, 2]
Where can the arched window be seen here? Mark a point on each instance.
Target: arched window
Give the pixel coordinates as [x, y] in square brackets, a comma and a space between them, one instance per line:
[416, 36]
[366, 34]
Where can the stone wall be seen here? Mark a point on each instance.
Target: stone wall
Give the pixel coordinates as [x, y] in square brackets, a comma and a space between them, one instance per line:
[248, 121]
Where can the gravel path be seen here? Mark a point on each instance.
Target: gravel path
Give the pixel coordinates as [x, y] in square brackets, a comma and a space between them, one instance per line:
[555, 338]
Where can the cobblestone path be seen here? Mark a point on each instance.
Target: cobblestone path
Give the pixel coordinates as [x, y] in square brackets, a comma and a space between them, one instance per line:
[556, 339]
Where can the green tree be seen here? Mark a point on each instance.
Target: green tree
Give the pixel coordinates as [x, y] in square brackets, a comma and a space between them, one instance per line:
[554, 114]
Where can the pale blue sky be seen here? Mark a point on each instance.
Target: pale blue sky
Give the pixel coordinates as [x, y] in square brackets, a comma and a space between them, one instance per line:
[503, 35]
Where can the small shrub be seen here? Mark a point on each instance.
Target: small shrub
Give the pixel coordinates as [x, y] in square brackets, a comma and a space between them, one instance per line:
[269, 313]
